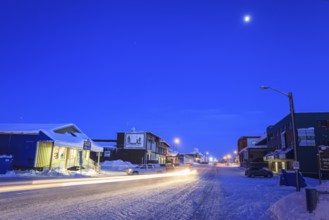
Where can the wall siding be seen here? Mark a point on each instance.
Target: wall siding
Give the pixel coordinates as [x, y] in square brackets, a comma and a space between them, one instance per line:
[44, 154]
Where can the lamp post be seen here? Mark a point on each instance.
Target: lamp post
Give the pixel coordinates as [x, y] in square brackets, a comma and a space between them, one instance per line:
[177, 142]
[236, 160]
[292, 114]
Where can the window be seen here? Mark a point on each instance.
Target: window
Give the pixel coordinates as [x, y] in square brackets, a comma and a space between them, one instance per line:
[56, 153]
[323, 123]
[62, 153]
[73, 153]
[59, 153]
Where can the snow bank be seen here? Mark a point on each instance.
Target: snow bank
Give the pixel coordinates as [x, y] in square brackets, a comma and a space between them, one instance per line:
[55, 172]
[294, 206]
[8, 174]
[116, 165]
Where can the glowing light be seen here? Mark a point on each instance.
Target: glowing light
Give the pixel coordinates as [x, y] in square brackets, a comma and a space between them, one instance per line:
[247, 18]
[176, 140]
[44, 184]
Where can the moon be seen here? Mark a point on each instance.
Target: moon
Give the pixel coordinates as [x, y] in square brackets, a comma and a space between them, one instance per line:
[247, 18]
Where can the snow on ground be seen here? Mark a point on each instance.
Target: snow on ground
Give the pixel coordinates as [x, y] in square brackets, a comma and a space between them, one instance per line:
[55, 172]
[294, 205]
[225, 191]
[265, 194]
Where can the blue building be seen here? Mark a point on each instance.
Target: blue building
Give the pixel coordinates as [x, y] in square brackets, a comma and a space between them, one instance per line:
[312, 130]
[46, 146]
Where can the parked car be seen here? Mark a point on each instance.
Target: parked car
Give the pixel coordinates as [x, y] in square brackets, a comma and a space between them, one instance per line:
[258, 171]
[145, 169]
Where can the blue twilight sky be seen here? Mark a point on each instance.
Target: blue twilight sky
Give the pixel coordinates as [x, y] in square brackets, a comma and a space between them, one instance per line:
[177, 68]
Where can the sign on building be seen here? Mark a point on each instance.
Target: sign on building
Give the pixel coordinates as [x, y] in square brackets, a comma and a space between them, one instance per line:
[134, 141]
[87, 145]
[324, 158]
[107, 153]
[306, 137]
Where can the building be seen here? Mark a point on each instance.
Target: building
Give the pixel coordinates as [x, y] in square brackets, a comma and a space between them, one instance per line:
[46, 146]
[109, 148]
[312, 131]
[197, 156]
[252, 150]
[173, 159]
[186, 159]
[141, 147]
[246, 141]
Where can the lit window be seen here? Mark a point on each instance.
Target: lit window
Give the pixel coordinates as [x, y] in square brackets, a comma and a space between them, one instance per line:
[62, 152]
[56, 153]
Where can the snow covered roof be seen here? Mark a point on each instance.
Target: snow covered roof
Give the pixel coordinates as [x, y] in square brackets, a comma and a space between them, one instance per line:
[172, 154]
[65, 135]
[107, 144]
[279, 152]
[254, 147]
[262, 140]
[285, 151]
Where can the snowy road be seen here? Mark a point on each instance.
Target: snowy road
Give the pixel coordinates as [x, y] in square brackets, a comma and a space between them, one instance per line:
[214, 193]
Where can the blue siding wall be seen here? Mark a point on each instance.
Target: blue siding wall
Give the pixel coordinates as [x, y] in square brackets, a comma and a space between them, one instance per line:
[306, 155]
[22, 147]
[4, 145]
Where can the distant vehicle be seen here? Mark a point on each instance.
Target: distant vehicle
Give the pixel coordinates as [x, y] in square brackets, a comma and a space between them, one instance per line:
[258, 171]
[145, 169]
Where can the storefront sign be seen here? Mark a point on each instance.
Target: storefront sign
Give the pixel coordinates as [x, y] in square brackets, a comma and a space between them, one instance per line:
[324, 163]
[324, 158]
[295, 165]
[135, 140]
[87, 145]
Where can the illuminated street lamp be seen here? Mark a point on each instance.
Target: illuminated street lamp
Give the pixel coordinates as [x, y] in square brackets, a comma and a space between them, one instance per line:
[292, 114]
[176, 140]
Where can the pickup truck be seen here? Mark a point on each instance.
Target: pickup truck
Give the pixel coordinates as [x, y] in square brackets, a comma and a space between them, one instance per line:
[145, 169]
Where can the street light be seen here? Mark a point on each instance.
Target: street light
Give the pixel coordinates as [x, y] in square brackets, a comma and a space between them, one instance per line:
[176, 143]
[292, 114]
[176, 140]
[236, 156]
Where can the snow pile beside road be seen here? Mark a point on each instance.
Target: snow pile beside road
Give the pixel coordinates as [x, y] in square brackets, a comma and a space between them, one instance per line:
[294, 206]
[116, 165]
[63, 172]
[55, 172]
[8, 174]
